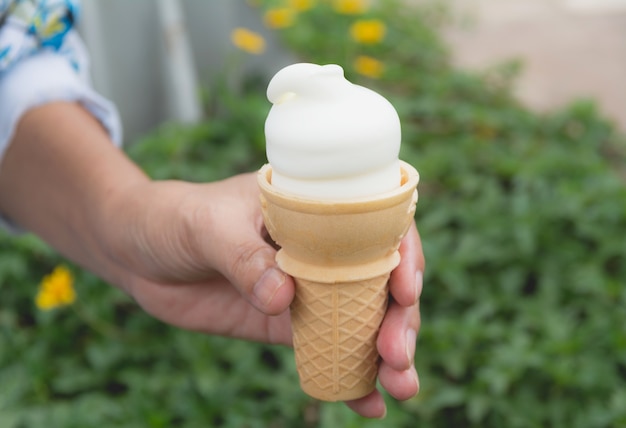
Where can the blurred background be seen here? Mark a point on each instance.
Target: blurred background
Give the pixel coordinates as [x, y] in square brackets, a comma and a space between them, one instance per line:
[153, 57]
[569, 49]
[513, 113]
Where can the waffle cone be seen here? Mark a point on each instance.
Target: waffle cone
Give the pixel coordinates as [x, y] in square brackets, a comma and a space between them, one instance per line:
[340, 255]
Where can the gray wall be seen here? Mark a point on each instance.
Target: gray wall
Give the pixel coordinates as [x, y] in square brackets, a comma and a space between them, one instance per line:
[129, 53]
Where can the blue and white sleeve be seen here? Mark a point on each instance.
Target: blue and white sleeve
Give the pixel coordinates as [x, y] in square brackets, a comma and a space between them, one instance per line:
[44, 77]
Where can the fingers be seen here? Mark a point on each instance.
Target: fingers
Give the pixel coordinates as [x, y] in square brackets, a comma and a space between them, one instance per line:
[398, 332]
[370, 406]
[402, 385]
[251, 267]
[213, 307]
[397, 336]
[255, 274]
[240, 250]
[396, 346]
[406, 280]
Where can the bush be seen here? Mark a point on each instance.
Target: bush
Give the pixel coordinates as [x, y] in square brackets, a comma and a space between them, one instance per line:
[522, 217]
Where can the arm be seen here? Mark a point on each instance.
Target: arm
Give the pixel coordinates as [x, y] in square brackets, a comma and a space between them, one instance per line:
[58, 179]
[63, 179]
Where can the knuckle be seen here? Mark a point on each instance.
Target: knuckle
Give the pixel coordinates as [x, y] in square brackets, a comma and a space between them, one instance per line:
[248, 264]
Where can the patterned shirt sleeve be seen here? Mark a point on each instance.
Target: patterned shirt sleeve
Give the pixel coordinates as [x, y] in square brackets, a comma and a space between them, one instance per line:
[39, 33]
[31, 25]
[42, 59]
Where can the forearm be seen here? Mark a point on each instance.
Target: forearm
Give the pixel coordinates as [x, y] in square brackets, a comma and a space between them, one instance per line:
[61, 178]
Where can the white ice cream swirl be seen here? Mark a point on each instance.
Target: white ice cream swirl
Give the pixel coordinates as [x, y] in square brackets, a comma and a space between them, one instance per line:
[328, 138]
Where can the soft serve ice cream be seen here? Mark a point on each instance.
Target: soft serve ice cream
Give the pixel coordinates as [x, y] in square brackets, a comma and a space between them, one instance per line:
[327, 138]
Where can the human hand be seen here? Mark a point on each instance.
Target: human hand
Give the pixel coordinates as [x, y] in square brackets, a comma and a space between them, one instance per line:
[197, 256]
[201, 272]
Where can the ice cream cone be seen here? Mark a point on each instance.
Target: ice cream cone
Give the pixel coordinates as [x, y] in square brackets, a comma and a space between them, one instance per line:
[340, 255]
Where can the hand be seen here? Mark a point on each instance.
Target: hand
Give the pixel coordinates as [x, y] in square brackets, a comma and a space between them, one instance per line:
[398, 332]
[205, 255]
[196, 256]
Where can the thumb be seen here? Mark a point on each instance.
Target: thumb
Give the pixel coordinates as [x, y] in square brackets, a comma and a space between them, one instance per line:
[251, 268]
[242, 255]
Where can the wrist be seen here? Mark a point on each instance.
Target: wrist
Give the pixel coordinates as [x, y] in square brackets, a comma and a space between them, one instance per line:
[149, 232]
[117, 217]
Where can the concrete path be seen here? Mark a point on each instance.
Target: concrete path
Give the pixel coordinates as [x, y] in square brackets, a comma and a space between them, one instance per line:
[570, 48]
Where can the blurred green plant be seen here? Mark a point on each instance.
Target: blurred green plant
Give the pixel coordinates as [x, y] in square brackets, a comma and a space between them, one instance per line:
[522, 217]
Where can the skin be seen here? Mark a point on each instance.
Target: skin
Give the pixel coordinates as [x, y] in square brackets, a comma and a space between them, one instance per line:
[193, 255]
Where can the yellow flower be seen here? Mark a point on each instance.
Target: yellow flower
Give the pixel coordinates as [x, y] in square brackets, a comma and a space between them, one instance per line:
[248, 41]
[301, 5]
[369, 67]
[282, 17]
[350, 7]
[56, 289]
[368, 31]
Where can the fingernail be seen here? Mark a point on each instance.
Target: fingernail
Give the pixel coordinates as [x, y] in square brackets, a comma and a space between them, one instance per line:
[419, 282]
[411, 339]
[417, 382]
[268, 285]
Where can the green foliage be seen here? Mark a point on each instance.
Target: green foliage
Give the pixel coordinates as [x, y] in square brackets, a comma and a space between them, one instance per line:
[522, 217]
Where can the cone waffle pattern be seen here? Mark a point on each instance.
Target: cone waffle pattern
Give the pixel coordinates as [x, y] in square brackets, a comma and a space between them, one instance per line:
[340, 255]
[335, 329]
